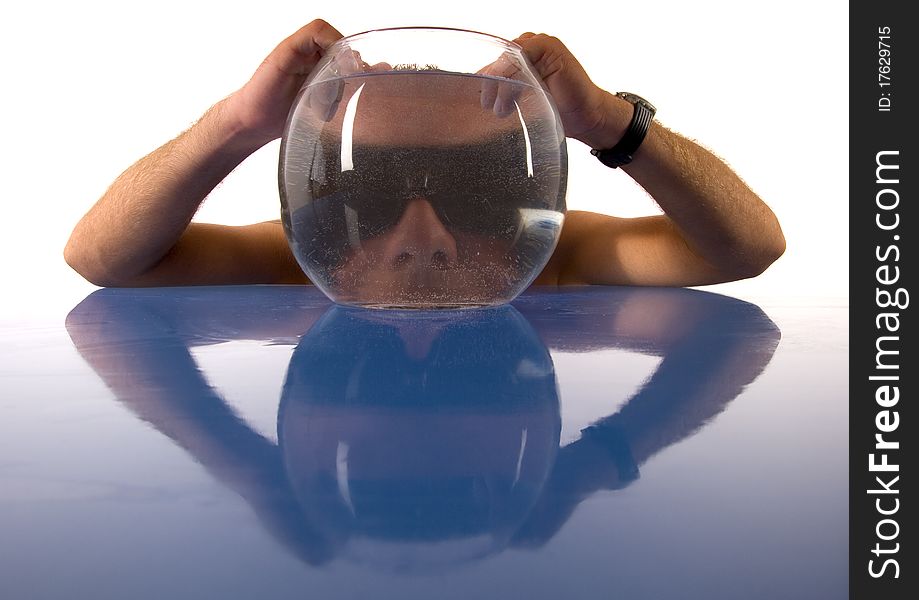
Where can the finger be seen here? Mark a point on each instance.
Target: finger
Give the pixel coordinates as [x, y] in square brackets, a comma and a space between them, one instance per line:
[299, 53]
[504, 66]
[488, 93]
[506, 100]
[496, 93]
[324, 98]
[348, 62]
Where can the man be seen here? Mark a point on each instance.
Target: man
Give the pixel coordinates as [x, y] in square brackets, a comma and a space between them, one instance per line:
[714, 229]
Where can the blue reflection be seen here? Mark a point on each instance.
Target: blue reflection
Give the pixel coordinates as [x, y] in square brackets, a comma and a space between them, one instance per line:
[402, 430]
[420, 441]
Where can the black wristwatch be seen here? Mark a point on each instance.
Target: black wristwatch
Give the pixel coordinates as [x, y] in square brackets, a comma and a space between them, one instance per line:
[612, 438]
[622, 153]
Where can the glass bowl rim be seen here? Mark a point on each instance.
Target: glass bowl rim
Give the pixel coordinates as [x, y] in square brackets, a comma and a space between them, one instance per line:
[492, 37]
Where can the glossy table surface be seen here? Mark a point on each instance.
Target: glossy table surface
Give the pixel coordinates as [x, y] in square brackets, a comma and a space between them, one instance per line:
[243, 442]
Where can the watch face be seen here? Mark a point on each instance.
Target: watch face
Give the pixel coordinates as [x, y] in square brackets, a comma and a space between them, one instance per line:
[636, 99]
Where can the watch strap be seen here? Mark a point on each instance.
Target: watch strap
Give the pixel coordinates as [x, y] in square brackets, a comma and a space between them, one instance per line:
[612, 438]
[624, 151]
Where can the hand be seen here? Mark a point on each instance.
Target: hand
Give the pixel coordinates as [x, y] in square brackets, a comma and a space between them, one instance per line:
[588, 113]
[260, 107]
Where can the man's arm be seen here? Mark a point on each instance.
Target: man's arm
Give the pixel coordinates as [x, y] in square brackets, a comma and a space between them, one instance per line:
[160, 382]
[714, 228]
[712, 347]
[140, 232]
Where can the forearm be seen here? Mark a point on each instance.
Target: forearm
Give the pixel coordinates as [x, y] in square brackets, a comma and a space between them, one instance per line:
[721, 219]
[145, 211]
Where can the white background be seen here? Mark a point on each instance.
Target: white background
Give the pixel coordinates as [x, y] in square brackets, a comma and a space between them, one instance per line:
[89, 87]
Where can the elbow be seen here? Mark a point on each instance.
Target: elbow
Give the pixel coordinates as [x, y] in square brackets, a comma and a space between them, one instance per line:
[772, 248]
[754, 261]
[777, 248]
[82, 260]
[76, 258]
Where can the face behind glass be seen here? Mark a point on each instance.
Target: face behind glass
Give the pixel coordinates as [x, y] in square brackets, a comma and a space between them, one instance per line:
[420, 257]
[420, 254]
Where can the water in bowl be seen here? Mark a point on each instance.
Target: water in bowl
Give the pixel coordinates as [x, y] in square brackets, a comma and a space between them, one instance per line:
[422, 189]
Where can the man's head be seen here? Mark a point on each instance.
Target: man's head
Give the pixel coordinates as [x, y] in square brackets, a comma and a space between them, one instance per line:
[411, 192]
[424, 440]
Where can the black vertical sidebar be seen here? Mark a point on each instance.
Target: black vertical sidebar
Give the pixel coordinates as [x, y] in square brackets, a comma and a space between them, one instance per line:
[883, 368]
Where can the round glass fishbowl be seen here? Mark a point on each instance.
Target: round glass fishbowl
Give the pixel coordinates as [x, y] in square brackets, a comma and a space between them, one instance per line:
[423, 168]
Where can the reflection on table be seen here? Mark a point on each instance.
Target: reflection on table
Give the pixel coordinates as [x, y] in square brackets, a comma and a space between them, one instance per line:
[417, 441]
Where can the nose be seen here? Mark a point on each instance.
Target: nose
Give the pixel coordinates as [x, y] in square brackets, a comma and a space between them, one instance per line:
[419, 239]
